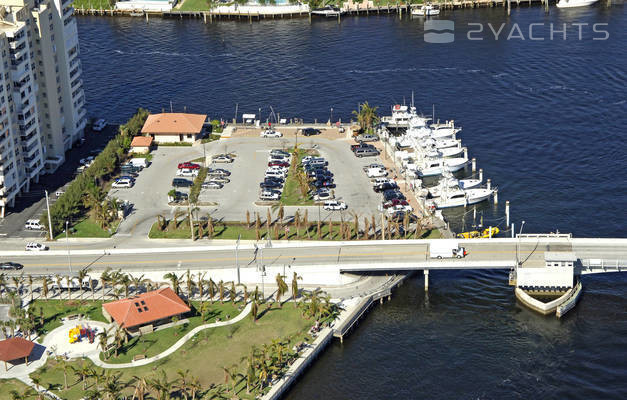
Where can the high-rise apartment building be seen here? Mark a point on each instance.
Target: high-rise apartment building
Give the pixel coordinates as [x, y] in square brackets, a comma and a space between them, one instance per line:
[42, 104]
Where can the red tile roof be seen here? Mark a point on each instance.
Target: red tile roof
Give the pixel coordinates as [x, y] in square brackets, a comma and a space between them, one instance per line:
[141, 141]
[174, 123]
[146, 308]
[15, 348]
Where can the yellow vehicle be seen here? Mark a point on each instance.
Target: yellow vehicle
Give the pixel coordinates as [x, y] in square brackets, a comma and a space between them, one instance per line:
[469, 235]
[486, 232]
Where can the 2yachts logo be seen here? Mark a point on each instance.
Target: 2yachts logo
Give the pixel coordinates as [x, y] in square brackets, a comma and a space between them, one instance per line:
[439, 31]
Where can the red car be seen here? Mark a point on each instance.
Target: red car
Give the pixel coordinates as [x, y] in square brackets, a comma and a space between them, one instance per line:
[394, 202]
[278, 164]
[188, 165]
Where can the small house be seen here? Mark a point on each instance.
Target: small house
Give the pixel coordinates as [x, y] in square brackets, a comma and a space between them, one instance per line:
[141, 144]
[175, 127]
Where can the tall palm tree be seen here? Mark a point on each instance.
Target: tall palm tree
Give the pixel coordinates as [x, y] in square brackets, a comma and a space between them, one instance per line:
[366, 116]
[68, 280]
[175, 281]
[212, 289]
[17, 281]
[138, 282]
[65, 367]
[25, 394]
[190, 285]
[3, 283]
[30, 286]
[83, 371]
[183, 382]
[221, 291]
[103, 341]
[281, 288]
[105, 278]
[194, 387]
[126, 282]
[161, 385]
[232, 292]
[245, 292]
[295, 279]
[141, 387]
[200, 283]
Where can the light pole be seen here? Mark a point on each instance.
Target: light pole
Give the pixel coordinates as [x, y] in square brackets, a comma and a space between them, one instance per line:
[67, 244]
[236, 260]
[518, 245]
[331, 119]
[263, 291]
[49, 217]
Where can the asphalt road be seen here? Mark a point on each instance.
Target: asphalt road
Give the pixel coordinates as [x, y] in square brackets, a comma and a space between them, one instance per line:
[330, 254]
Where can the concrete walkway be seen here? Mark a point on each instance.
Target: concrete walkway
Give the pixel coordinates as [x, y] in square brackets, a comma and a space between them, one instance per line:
[96, 357]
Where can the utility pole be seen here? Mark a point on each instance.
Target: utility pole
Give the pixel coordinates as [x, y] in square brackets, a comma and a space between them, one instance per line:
[67, 244]
[518, 245]
[236, 259]
[49, 217]
[191, 221]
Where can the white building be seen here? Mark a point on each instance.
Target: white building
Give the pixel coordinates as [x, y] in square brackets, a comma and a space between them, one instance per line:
[42, 111]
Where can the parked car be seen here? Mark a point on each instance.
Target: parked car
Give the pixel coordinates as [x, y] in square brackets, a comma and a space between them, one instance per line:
[122, 183]
[322, 194]
[270, 185]
[391, 203]
[180, 196]
[99, 125]
[129, 168]
[373, 165]
[180, 182]
[187, 172]
[277, 180]
[10, 265]
[393, 194]
[381, 181]
[278, 164]
[218, 172]
[334, 205]
[321, 184]
[376, 172]
[279, 152]
[270, 133]
[310, 131]
[86, 160]
[188, 165]
[222, 158]
[366, 152]
[222, 179]
[269, 195]
[212, 185]
[360, 145]
[366, 138]
[384, 187]
[320, 173]
[33, 246]
[129, 177]
[33, 224]
[400, 207]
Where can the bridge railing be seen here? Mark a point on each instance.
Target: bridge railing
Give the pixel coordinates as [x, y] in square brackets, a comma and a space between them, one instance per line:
[545, 235]
[592, 265]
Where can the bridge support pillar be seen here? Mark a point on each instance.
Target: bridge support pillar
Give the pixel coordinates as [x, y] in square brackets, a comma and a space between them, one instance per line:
[426, 272]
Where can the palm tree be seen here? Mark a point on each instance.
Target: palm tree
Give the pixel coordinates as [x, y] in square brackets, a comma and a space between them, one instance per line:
[175, 281]
[103, 341]
[366, 116]
[105, 278]
[3, 283]
[245, 292]
[126, 282]
[232, 292]
[254, 310]
[27, 393]
[161, 385]
[17, 281]
[183, 382]
[30, 286]
[194, 386]
[65, 367]
[221, 291]
[83, 371]
[82, 274]
[295, 279]
[212, 289]
[281, 288]
[257, 226]
[141, 387]
[200, 283]
[68, 280]
[113, 385]
[36, 379]
[231, 374]
[190, 284]
[138, 282]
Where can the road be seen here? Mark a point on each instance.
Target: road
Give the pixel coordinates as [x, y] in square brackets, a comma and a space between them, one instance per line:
[304, 254]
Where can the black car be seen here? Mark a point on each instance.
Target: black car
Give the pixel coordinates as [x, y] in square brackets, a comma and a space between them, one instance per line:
[218, 171]
[321, 184]
[393, 194]
[272, 179]
[10, 265]
[179, 196]
[180, 182]
[311, 131]
[270, 185]
[384, 187]
[361, 145]
[316, 172]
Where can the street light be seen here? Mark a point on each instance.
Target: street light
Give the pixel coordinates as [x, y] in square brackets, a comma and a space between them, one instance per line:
[67, 244]
[518, 244]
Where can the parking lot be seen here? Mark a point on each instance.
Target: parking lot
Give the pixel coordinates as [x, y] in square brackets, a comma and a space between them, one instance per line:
[149, 194]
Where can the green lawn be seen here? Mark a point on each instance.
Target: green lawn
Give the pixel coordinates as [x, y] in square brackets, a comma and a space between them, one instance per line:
[88, 228]
[92, 4]
[156, 342]
[292, 195]
[194, 5]
[205, 354]
[9, 385]
[54, 310]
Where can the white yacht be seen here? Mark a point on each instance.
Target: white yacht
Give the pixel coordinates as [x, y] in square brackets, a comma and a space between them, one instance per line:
[449, 181]
[328, 11]
[456, 197]
[433, 151]
[436, 166]
[401, 114]
[574, 3]
[440, 143]
[445, 130]
[426, 10]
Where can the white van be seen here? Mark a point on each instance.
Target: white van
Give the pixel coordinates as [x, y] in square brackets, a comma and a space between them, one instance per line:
[376, 172]
[139, 162]
[33, 224]
[381, 181]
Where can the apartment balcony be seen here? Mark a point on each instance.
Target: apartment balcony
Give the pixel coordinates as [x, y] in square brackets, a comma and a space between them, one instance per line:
[76, 83]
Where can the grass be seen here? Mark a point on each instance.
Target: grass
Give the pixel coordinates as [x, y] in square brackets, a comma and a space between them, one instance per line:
[212, 137]
[205, 354]
[156, 342]
[54, 310]
[194, 5]
[92, 4]
[88, 228]
[292, 195]
[9, 385]
[175, 144]
[232, 230]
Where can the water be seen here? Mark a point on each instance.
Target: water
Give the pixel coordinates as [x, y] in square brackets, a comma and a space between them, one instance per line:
[545, 120]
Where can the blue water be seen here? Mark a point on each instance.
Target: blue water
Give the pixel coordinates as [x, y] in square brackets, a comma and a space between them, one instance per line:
[545, 119]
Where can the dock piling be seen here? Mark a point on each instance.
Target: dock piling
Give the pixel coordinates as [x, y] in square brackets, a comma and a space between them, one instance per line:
[426, 272]
[480, 174]
[507, 213]
[489, 184]
[474, 164]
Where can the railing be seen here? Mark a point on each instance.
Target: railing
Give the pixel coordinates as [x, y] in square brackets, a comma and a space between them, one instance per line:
[545, 235]
[593, 265]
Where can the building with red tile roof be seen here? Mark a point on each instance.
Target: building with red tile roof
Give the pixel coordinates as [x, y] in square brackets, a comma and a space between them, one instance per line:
[175, 127]
[151, 308]
[141, 144]
[15, 348]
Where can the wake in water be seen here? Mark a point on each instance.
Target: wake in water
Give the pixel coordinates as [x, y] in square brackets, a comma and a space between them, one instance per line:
[171, 54]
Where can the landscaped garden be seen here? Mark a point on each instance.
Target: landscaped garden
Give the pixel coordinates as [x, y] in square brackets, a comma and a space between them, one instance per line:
[52, 311]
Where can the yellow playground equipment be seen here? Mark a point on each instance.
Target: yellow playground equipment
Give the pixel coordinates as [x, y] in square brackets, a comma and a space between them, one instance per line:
[75, 334]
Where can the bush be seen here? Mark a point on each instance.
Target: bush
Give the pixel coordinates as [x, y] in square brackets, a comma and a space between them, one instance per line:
[133, 126]
[216, 127]
[197, 185]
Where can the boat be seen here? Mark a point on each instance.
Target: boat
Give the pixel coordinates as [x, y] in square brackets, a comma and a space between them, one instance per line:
[328, 11]
[426, 10]
[436, 166]
[401, 114]
[574, 3]
[445, 130]
[469, 235]
[440, 143]
[449, 181]
[456, 197]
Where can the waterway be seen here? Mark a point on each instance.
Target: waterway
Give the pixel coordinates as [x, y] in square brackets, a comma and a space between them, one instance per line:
[545, 118]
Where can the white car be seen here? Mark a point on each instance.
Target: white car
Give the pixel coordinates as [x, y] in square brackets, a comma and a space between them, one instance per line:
[269, 195]
[122, 183]
[99, 125]
[333, 205]
[32, 246]
[270, 133]
[222, 158]
[33, 224]
[187, 172]
[376, 172]
[400, 207]
[279, 152]
[212, 185]
[86, 160]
